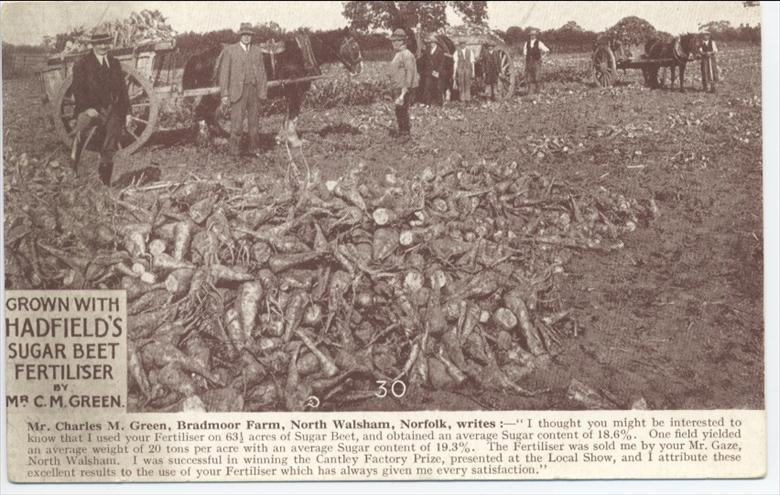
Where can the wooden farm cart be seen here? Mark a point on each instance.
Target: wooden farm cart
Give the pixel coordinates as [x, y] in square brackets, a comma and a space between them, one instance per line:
[152, 76]
[609, 55]
[507, 74]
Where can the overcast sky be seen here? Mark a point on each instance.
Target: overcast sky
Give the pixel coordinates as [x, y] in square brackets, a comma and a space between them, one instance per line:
[28, 22]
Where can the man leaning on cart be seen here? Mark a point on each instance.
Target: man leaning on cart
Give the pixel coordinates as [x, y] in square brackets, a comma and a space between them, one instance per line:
[101, 104]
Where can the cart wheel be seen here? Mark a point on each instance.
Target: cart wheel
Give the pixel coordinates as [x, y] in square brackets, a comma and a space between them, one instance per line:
[506, 74]
[604, 66]
[144, 108]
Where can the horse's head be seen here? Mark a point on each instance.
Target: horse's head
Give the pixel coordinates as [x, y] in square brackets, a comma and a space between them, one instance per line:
[689, 45]
[349, 53]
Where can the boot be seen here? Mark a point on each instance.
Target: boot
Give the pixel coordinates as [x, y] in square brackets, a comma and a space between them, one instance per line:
[254, 146]
[105, 169]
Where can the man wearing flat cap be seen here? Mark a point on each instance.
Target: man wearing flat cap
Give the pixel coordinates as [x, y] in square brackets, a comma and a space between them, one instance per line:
[709, 63]
[405, 79]
[101, 104]
[533, 50]
[242, 82]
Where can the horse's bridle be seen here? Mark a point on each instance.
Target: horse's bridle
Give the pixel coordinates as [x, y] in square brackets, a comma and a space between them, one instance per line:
[678, 53]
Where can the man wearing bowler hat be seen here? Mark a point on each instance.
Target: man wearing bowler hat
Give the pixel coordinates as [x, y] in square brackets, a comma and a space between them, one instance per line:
[242, 82]
[101, 104]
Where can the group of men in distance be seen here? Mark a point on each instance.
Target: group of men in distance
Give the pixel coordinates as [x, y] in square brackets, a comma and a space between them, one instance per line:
[102, 103]
[436, 76]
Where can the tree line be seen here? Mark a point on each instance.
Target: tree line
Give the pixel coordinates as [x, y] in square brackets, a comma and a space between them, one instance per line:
[366, 18]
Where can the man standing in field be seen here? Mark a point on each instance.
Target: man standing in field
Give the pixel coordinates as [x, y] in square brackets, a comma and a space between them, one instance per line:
[709, 63]
[489, 62]
[533, 50]
[404, 76]
[434, 69]
[242, 82]
[101, 104]
[464, 71]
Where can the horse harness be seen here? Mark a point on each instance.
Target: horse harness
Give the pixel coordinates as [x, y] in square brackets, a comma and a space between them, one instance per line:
[677, 52]
[658, 47]
[274, 48]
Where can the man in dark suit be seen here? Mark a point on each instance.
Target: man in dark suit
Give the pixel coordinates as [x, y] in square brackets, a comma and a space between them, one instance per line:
[242, 81]
[489, 62]
[101, 103]
[434, 86]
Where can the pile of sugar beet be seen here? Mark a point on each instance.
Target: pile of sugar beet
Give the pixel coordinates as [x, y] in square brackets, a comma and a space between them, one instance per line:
[247, 296]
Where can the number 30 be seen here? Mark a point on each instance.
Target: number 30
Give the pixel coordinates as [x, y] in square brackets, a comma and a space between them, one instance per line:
[397, 389]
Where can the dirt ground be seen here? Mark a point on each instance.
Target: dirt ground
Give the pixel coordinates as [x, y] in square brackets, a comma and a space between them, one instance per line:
[675, 318]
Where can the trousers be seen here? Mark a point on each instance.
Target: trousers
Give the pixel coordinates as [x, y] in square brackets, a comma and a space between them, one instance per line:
[402, 113]
[111, 123]
[709, 72]
[463, 80]
[533, 72]
[246, 106]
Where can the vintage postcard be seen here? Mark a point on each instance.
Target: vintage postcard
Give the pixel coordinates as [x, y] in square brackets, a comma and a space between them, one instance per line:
[383, 241]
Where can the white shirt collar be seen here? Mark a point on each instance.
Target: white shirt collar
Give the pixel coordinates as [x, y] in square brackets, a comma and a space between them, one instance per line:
[244, 47]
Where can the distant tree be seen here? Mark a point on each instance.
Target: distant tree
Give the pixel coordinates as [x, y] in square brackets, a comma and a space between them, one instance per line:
[724, 31]
[192, 42]
[572, 26]
[632, 30]
[268, 30]
[750, 4]
[569, 38]
[514, 35]
[716, 26]
[431, 16]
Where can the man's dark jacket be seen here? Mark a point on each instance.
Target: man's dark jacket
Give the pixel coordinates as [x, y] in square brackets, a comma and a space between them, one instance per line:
[436, 61]
[97, 87]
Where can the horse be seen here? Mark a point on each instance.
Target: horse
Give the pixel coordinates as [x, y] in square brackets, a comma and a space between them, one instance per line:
[295, 56]
[676, 55]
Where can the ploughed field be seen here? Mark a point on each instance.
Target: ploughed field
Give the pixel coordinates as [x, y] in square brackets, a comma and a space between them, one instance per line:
[583, 248]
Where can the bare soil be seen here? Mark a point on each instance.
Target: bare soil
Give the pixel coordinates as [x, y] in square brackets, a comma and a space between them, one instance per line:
[676, 317]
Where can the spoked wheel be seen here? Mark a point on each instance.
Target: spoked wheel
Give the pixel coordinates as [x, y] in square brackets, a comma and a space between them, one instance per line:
[604, 66]
[506, 74]
[144, 109]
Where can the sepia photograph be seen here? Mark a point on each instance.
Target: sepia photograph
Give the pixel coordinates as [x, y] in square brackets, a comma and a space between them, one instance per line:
[396, 206]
